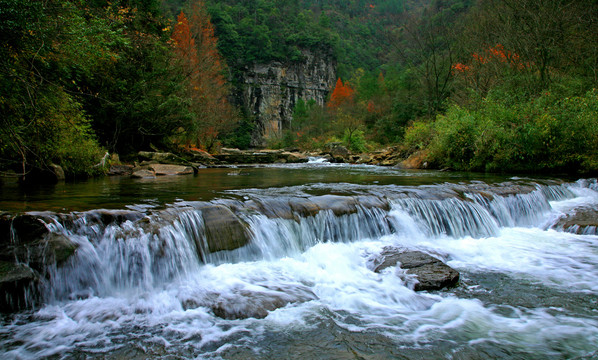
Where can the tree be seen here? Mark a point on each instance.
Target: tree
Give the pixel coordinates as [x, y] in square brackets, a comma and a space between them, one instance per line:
[41, 117]
[341, 95]
[425, 45]
[196, 51]
[552, 36]
[138, 102]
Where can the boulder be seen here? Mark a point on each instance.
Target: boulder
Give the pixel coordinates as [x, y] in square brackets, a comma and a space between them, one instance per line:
[11, 272]
[143, 174]
[16, 284]
[294, 157]
[303, 207]
[57, 172]
[338, 159]
[229, 151]
[583, 220]
[364, 159]
[224, 230]
[200, 156]
[431, 273]
[28, 227]
[120, 170]
[5, 228]
[340, 205]
[53, 248]
[164, 169]
[235, 156]
[336, 149]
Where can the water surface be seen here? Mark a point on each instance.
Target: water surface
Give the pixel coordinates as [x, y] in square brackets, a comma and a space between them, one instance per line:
[527, 290]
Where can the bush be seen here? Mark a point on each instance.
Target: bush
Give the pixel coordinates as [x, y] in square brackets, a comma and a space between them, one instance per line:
[355, 141]
[418, 136]
[69, 140]
[544, 134]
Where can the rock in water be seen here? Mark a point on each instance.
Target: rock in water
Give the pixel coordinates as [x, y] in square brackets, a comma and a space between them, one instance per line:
[144, 174]
[255, 303]
[16, 281]
[57, 172]
[340, 205]
[120, 170]
[584, 220]
[431, 273]
[224, 230]
[164, 169]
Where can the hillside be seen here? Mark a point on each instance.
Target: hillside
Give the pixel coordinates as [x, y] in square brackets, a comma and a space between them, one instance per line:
[499, 85]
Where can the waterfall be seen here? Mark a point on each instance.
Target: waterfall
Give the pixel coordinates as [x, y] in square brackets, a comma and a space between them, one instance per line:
[166, 282]
[127, 252]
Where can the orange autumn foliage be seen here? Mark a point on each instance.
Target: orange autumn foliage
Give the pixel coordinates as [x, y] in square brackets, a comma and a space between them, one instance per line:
[342, 94]
[184, 46]
[195, 48]
[497, 54]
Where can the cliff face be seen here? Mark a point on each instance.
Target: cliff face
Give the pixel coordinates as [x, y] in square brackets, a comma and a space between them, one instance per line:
[270, 91]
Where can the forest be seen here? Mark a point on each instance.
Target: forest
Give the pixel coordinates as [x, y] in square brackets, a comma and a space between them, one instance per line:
[495, 85]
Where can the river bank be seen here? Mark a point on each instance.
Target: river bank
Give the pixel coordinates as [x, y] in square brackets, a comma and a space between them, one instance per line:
[152, 164]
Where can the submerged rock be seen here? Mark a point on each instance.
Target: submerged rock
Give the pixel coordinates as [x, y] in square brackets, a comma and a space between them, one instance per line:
[431, 273]
[251, 303]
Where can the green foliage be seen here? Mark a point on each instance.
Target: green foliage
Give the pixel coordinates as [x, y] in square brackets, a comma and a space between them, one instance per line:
[265, 31]
[241, 137]
[66, 138]
[418, 136]
[544, 134]
[74, 74]
[355, 141]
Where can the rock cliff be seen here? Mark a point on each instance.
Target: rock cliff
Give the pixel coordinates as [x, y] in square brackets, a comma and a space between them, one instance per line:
[270, 91]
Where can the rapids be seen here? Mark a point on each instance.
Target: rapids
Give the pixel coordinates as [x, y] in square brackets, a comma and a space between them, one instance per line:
[147, 286]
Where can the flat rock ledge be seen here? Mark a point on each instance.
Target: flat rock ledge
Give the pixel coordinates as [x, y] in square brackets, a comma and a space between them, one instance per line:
[431, 273]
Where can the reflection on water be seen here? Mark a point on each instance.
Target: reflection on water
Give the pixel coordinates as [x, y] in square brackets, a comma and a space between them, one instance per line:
[207, 184]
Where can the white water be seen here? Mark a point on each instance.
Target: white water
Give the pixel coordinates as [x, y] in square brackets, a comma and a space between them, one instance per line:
[118, 294]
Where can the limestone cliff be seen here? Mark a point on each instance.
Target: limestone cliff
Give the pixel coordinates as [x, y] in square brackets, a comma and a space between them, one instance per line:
[270, 91]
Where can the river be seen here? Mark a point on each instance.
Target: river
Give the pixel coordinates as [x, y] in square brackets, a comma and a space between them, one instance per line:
[145, 286]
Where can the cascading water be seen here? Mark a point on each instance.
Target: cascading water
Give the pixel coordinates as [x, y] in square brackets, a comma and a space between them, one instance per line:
[145, 284]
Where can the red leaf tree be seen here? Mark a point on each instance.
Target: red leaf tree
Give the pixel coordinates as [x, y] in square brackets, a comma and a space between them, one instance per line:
[195, 48]
[341, 95]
